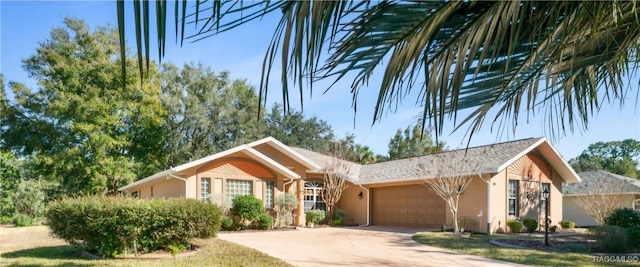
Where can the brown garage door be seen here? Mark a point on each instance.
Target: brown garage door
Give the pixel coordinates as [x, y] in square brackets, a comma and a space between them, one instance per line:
[411, 205]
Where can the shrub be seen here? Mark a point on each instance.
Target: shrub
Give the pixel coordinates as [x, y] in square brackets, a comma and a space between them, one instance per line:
[315, 216]
[338, 216]
[628, 219]
[247, 208]
[264, 221]
[610, 239]
[20, 220]
[111, 226]
[285, 203]
[530, 223]
[515, 226]
[625, 217]
[228, 224]
[567, 224]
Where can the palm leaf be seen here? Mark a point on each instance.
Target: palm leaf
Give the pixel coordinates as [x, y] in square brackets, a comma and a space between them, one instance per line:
[563, 59]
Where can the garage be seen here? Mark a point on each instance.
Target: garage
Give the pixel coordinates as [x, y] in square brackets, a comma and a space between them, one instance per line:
[409, 205]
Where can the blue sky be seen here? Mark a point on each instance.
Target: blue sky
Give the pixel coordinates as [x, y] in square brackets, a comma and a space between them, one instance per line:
[24, 24]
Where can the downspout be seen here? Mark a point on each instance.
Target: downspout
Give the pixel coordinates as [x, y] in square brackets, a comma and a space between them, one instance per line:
[186, 184]
[368, 199]
[488, 203]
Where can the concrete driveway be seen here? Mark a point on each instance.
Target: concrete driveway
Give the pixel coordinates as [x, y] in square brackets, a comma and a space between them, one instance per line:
[357, 246]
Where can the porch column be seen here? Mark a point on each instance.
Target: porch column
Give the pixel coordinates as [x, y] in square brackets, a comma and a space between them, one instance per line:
[300, 220]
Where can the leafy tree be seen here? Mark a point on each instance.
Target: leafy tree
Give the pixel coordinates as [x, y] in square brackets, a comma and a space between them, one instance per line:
[206, 112]
[29, 199]
[412, 143]
[10, 178]
[85, 127]
[293, 129]
[351, 151]
[619, 157]
[456, 54]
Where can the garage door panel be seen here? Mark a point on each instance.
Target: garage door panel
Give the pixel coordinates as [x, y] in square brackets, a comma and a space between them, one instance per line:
[413, 205]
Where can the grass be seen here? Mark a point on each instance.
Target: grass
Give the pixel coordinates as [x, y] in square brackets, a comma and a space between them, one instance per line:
[478, 244]
[214, 252]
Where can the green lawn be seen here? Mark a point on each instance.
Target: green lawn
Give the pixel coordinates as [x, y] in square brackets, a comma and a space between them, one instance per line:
[478, 244]
[214, 252]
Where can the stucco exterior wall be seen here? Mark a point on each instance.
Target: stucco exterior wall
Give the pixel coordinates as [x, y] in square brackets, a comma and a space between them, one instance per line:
[574, 212]
[355, 209]
[498, 212]
[472, 201]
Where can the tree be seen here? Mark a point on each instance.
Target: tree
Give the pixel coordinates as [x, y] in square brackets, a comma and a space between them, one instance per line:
[599, 199]
[413, 143]
[10, 177]
[619, 157]
[335, 173]
[453, 174]
[503, 55]
[84, 127]
[206, 112]
[293, 129]
[351, 151]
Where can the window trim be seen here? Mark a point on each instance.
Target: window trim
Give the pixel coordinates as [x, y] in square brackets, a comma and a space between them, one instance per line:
[269, 203]
[317, 188]
[514, 198]
[205, 198]
[228, 180]
[636, 205]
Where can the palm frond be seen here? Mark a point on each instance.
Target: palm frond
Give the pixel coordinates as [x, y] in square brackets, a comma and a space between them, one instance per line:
[560, 58]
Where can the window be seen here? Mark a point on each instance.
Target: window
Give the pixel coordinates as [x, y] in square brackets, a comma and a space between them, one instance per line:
[205, 189]
[152, 191]
[513, 197]
[238, 188]
[543, 201]
[268, 197]
[313, 196]
[134, 194]
[636, 206]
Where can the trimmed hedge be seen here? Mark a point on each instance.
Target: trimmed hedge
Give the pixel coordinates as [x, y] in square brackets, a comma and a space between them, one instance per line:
[567, 224]
[111, 226]
[531, 224]
[515, 226]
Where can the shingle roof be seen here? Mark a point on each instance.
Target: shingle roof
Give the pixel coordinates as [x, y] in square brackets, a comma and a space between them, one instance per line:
[482, 159]
[322, 160]
[605, 181]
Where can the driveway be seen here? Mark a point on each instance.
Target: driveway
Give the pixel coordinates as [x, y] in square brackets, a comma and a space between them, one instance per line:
[357, 246]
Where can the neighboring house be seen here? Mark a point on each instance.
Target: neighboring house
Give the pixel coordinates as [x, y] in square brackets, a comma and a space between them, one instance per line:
[506, 185]
[624, 190]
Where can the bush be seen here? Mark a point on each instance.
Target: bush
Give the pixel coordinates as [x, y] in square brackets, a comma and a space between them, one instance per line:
[338, 216]
[628, 219]
[111, 226]
[515, 226]
[228, 224]
[625, 217]
[530, 223]
[264, 221]
[247, 208]
[20, 220]
[567, 224]
[315, 216]
[285, 203]
[611, 239]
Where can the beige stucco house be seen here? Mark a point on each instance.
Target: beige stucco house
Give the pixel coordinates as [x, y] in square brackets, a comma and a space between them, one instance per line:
[507, 181]
[623, 190]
